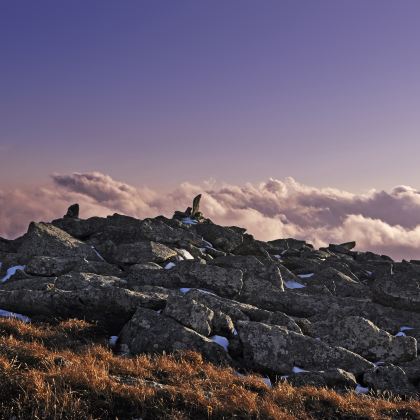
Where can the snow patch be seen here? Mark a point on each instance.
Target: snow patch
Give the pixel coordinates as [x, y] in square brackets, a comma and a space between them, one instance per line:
[405, 328]
[400, 334]
[185, 254]
[189, 221]
[169, 266]
[305, 276]
[361, 390]
[97, 253]
[113, 340]
[297, 369]
[8, 314]
[11, 272]
[267, 381]
[185, 289]
[291, 284]
[221, 341]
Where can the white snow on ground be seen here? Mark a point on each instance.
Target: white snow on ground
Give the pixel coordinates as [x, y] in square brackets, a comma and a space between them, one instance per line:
[377, 364]
[305, 276]
[113, 340]
[185, 254]
[291, 284]
[298, 370]
[11, 271]
[369, 273]
[235, 332]
[169, 265]
[97, 253]
[185, 289]
[221, 341]
[189, 221]
[207, 243]
[14, 315]
[361, 390]
[404, 328]
[267, 381]
[400, 334]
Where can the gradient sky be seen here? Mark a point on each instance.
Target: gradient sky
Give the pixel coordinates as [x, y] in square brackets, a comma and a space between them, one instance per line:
[158, 92]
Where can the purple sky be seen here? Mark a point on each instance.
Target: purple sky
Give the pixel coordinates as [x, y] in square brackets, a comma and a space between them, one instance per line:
[160, 92]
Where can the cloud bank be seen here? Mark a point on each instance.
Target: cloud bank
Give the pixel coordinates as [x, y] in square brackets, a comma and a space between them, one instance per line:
[380, 221]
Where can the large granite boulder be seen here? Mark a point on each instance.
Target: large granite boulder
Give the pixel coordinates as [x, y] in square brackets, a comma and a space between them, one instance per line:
[275, 349]
[43, 239]
[151, 332]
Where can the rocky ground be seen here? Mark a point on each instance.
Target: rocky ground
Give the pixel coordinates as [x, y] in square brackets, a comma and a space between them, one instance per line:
[332, 317]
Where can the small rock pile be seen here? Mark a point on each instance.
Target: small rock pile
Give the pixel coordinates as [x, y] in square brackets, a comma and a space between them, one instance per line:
[330, 317]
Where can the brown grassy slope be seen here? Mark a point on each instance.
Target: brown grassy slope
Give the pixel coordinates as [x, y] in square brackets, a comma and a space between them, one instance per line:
[65, 370]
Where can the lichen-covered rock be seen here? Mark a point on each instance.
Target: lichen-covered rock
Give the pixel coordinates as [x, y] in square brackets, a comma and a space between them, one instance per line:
[363, 337]
[43, 239]
[151, 332]
[190, 313]
[274, 348]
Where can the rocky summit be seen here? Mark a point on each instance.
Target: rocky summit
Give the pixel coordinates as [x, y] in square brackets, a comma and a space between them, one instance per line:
[330, 317]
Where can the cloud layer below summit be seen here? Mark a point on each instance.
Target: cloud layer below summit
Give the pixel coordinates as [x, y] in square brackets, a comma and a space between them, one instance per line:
[382, 221]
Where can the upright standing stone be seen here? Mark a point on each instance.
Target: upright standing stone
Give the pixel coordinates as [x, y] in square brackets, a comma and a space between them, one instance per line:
[72, 211]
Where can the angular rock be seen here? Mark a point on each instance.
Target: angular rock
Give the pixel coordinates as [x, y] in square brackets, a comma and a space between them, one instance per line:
[389, 378]
[43, 239]
[73, 211]
[363, 337]
[142, 252]
[50, 266]
[150, 332]
[190, 313]
[275, 349]
[222, 325]
[223, 238]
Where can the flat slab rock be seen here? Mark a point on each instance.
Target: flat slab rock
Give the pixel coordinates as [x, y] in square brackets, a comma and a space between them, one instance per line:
[274, 348]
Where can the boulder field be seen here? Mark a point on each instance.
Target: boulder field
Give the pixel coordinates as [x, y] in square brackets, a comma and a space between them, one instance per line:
[331, 317]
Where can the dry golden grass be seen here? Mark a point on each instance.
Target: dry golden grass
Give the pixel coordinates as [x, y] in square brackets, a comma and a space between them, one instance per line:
[65, 370]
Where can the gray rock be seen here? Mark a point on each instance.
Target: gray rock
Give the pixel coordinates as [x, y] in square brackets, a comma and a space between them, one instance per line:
[222, 281]
[223, 238]
[190, 313]
[389, 378]
[363, 337]
[150, 332]
[275, 349]
[400, 290]
[142, 252]
[43, 239]
[73, 211]
[222, 325]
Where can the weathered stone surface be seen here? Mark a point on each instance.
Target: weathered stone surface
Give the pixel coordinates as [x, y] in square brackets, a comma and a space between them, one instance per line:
[338, 283]
[150, 332]
[222, 281]
[142, 252]
[190, 313]
[389, 378]
[43, 239]
[363, 337]
[332, 378]
[223, 238]
[278, 350]
[73, 211]
[400, 290]
[223, 325]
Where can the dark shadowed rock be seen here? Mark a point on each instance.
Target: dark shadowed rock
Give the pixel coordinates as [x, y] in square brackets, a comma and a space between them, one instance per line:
[190, 313]
[73, 212]
[150, 332]
[332, 378]
[389, 378]
[223, 238]
[278, 350]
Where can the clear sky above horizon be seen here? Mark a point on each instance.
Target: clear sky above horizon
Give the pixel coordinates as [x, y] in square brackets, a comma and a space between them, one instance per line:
[159, 92]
